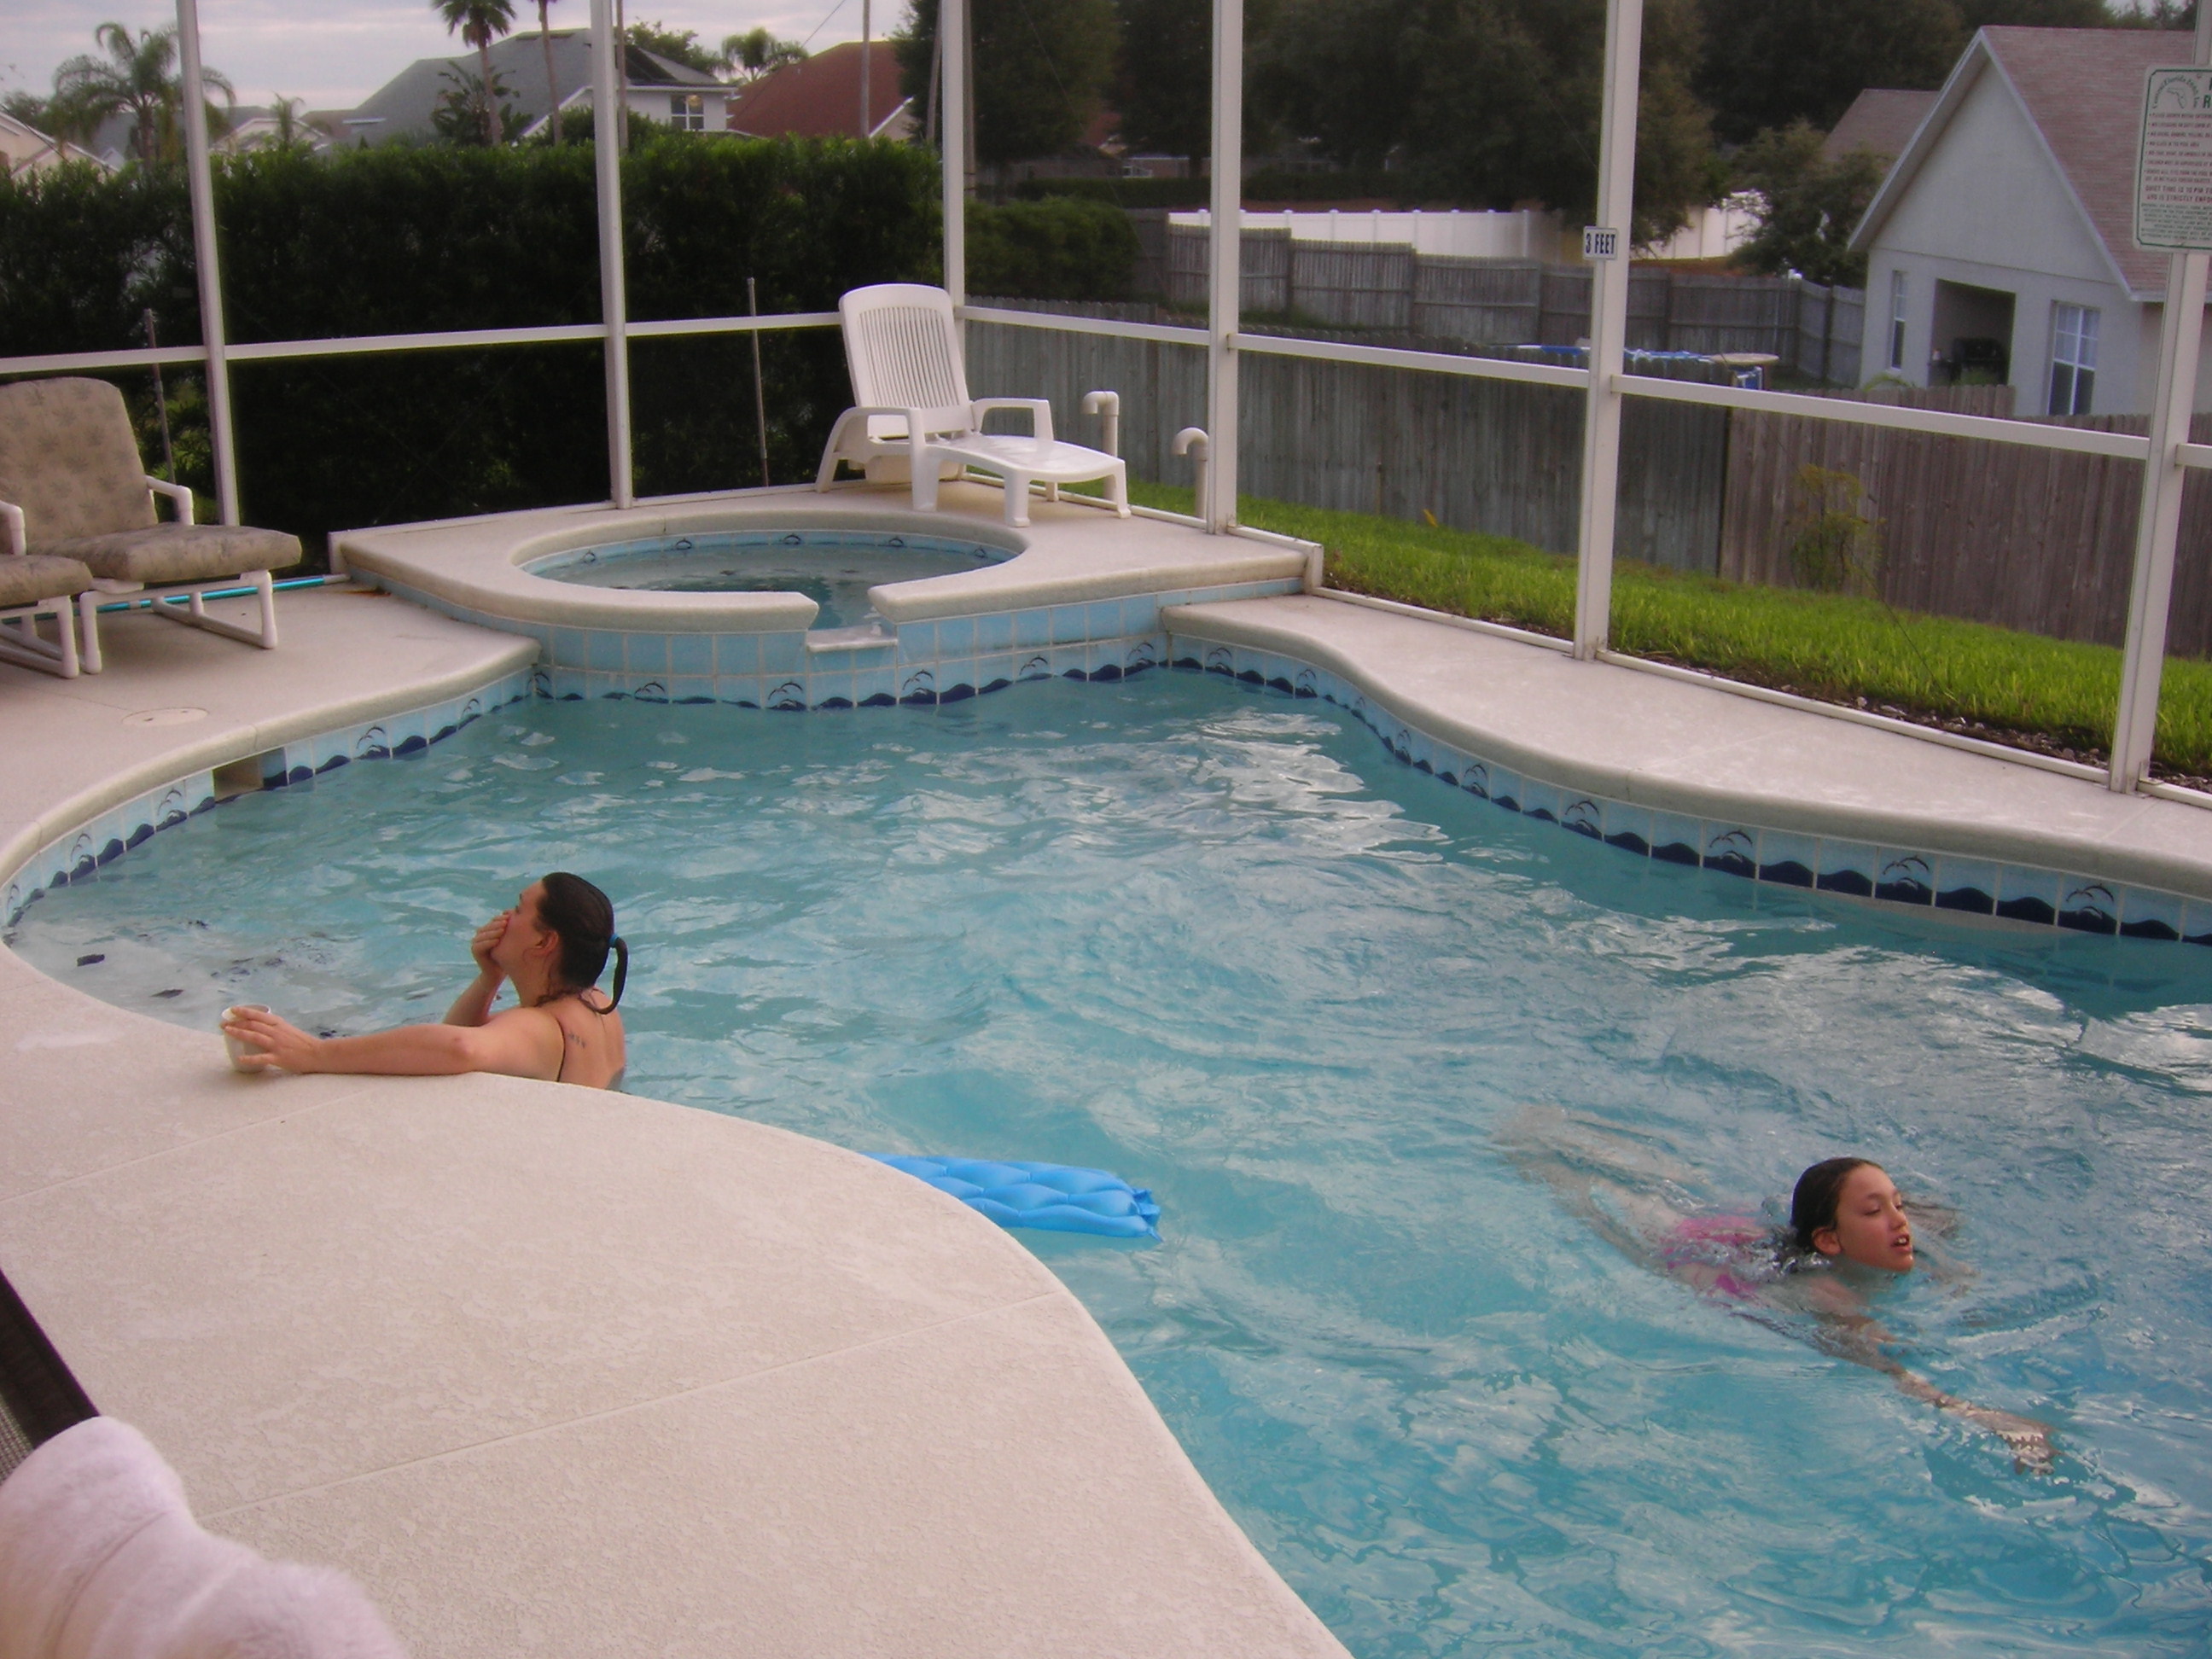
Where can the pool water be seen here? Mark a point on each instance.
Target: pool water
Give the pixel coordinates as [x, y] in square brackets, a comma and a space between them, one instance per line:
[834, 570]
[1217, 941]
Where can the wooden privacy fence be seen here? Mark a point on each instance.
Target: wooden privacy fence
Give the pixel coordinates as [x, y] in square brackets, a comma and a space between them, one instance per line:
[1499, 456]
[2029, 538]
[1813, 329]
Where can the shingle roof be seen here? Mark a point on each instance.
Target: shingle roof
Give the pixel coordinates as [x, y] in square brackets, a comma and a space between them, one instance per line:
[2081, 89]
[820, 95]
[1882, 120]
[403, 106]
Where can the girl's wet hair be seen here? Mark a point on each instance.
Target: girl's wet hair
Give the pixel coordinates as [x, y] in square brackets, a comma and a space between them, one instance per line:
[583, 919]
[1819, 1189]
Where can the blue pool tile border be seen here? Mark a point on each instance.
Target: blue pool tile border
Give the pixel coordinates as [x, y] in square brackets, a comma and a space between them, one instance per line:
[945, 659]
[81, 852]
[948, 661]
[1901, 876]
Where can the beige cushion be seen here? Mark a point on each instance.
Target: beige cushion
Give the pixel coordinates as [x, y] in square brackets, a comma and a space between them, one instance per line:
[68, 458]
[180, 552]
[22, 580]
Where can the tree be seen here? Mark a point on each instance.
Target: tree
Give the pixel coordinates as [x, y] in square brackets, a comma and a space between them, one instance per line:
[1774, 62]
[473, 111]
[2042, 14]
[1811, 204]
[138, 76]
[678, 47]
[479, 22]
[1041, 70]
[552, 86]
[1344, 73]
[1491, 102]
[750, 56]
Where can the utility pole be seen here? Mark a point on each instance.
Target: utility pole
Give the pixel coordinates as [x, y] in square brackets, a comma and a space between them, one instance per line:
[866, 55]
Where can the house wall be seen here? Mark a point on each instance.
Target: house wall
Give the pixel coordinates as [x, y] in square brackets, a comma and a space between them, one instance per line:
[1989, 209]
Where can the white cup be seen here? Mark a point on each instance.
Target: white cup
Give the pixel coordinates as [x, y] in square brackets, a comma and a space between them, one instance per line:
[239, 1050]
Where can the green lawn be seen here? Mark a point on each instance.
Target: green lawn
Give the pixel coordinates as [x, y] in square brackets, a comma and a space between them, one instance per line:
[2057, 693]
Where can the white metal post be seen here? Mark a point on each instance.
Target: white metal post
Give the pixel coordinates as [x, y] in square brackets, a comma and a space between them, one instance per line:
[866, 19]
[952, 58]
[610, 121]
[2157, 521]
[201, 177]
[1224, 265]
[1616, 193]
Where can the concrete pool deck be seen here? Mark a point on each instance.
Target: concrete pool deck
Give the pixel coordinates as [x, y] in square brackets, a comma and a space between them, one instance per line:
[554, 1371]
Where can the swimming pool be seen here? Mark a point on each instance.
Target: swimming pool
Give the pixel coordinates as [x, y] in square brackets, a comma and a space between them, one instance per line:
[835, 568]
[1217, 939]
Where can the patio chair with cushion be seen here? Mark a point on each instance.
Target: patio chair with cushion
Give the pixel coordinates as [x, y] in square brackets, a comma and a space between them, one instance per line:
[71, 487]
[914, 420]
[33, 586]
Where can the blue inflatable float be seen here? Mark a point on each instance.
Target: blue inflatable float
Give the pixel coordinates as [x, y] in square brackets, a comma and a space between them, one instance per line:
[1057, 1197]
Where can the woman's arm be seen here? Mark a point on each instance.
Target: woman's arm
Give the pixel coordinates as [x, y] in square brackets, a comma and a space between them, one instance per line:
[520, 1042]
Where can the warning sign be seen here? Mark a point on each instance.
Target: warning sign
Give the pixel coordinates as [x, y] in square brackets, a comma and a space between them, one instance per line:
[2173, 161]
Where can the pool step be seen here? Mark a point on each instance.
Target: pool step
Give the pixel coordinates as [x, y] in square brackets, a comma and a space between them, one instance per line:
[866, 637]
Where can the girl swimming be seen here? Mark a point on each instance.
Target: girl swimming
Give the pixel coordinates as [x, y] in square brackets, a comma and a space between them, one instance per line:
[1847, 1225]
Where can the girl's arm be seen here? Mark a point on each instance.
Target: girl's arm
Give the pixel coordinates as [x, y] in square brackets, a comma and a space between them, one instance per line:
[1851, 1334]
[520, 1042]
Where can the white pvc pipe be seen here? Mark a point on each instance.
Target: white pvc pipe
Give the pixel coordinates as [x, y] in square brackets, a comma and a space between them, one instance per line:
[952, 51]
[610, 120]
[201, 175]
[2158, 522]
[1224, 264]
[1616, 188]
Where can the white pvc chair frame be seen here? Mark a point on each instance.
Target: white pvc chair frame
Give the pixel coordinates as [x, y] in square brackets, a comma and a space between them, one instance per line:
[915, 417]
[163, 601]
[20, 643]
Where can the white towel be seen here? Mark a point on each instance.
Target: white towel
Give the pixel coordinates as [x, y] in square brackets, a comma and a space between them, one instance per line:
[101, 1558]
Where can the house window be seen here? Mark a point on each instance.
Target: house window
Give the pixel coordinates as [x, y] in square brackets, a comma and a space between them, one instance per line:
[686, 112]
[2073, 359]
[1896, 320]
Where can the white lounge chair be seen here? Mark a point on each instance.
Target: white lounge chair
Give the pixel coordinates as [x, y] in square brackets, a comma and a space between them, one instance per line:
[913, 419]
[71, 486]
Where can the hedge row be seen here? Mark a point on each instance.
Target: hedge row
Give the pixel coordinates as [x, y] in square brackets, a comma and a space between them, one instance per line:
[401, 240]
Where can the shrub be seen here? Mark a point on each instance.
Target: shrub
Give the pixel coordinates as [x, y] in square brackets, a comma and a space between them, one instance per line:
[419, 239]
[1062, 248]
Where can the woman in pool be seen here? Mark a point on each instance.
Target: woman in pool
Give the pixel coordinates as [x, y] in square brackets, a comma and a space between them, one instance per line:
[553, 945]
[1848, 1227]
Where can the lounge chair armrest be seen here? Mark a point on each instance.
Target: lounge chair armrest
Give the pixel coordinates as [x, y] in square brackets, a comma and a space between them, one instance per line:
[178, 493]
[864, 411]
[1040, 413]
[12, 516]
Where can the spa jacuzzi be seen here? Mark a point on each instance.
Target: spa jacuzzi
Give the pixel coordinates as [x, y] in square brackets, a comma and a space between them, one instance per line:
[835, 568]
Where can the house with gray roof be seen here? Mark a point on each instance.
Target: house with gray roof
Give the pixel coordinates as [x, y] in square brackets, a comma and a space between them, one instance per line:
[671, 93]
[1882, 121]
[2000, 246]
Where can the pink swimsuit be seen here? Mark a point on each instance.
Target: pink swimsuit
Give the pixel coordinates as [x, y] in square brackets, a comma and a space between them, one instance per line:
[1736, 1250]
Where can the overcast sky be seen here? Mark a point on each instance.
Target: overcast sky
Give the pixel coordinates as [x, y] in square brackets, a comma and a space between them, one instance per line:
[335, 53]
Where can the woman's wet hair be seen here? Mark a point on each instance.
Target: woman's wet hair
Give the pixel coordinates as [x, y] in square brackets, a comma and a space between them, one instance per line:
[1819, 1189]
[583, 919]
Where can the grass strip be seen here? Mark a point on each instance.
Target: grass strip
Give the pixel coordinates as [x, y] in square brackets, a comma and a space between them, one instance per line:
[2054, 695]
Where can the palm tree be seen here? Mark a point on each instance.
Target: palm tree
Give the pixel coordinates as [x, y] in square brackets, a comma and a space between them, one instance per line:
[479, 22]
[139, 76]
[753, 54]
[552, 92]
